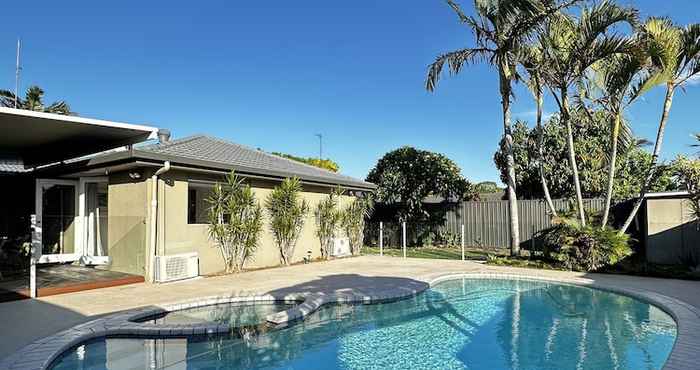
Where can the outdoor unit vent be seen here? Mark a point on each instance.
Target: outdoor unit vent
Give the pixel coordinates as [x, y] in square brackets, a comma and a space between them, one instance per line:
[177, 267]
[341, 247]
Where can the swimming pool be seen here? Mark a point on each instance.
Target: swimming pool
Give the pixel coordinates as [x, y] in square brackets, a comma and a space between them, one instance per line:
[456, 324]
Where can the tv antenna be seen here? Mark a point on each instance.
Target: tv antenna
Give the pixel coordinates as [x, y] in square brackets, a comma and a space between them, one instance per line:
[17, 69]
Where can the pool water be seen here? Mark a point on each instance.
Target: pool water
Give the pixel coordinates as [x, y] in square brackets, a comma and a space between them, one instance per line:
[233, 314]
[457, 324]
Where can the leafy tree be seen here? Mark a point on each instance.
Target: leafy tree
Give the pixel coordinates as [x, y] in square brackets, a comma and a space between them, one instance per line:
[500, 30]
[570, 47]
[675, 55]
[406, 176]
[287, 210]
[33, 100]
[235, 221]
[326, 164]
[486, 187]
[328, 218]
[591, 155]
[353, 220]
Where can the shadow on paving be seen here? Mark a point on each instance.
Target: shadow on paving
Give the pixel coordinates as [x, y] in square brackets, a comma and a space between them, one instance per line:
[27, 320]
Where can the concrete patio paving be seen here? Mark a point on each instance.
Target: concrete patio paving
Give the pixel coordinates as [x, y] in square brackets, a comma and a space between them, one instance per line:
[26, 321]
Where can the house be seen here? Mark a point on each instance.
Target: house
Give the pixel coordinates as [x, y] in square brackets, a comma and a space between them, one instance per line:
[100, 198]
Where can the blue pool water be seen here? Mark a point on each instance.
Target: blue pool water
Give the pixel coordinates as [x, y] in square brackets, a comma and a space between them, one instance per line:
[457, 324]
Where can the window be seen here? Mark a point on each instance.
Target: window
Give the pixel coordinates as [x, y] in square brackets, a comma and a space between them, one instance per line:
[197, 206]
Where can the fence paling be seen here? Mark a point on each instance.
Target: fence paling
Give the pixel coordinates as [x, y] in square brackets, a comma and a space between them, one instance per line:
[486, 223]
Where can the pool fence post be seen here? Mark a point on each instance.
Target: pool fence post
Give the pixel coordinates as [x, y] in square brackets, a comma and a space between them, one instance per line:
[463, 242]
[403, 238]
[381, 238]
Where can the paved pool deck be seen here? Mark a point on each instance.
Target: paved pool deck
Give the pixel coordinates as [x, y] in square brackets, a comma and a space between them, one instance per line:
[27, 321]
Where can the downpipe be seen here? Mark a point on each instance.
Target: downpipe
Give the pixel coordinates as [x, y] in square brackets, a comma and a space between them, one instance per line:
[153, 251]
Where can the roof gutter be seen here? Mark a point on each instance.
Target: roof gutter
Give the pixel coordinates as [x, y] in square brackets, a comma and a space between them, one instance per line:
[262, 177]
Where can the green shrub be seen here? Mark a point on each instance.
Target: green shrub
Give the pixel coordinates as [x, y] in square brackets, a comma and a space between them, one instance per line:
[353, 221]
[328, 217]
[287, 209]
[235, 221]
[584, 248]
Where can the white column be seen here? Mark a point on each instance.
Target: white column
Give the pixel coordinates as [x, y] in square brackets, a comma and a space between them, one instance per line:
[403, 238]
[36, 243]
[381, 238]
[463, 242]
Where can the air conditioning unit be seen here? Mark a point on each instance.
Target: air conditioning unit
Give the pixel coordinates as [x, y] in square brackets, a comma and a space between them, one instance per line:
[177, 267]
[341, 247]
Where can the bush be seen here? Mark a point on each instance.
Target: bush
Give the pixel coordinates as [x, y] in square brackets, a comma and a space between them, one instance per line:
[328, 218]
[235, 222]
[353, 221]
[287, 210]
[584, 248]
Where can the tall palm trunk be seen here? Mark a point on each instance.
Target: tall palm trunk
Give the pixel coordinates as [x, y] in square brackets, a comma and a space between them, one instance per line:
[611, 169]
[566, 117]
[505, 88]
[540, 150]
[670, 88]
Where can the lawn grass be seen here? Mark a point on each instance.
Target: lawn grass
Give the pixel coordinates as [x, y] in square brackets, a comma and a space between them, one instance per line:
[448, 253]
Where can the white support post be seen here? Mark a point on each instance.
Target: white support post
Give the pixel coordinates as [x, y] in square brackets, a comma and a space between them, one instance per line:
[36, 243]
[381, 238]
[403, 238]
[463, 242]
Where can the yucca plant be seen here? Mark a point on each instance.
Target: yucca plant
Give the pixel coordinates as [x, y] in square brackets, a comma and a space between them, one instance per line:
[328, 219]
[235, 221]
[287, 210]
[354, 216]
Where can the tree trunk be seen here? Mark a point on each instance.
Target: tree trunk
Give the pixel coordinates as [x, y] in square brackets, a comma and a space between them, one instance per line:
[670, 88]
[508, 136]
[572, 153]
[540, 149]
[611, 169]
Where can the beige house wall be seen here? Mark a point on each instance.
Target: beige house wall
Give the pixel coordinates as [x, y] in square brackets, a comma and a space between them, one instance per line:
[672, 235]
[127, 223]
[177, 236]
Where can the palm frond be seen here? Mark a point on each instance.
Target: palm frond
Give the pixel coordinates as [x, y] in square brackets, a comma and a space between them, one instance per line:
[455, 60]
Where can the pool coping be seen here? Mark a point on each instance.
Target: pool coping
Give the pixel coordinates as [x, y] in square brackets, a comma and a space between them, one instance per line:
[40, 354]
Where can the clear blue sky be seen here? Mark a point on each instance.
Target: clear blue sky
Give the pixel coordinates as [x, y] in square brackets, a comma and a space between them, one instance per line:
[273, 74]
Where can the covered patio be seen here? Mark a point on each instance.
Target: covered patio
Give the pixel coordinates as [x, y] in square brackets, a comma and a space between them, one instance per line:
[52, 216]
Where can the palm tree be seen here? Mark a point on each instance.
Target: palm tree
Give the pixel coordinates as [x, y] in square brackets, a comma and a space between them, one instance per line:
[500, 28]
[33, 100]
[620, 80]
[570, 47]
[532, 61]
[675, 55]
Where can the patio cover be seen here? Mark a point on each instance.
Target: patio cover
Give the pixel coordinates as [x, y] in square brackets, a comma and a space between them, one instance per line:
[43, 138]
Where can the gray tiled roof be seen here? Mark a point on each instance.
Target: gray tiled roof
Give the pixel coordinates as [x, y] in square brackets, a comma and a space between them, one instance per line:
[12, 165]
[228, 154]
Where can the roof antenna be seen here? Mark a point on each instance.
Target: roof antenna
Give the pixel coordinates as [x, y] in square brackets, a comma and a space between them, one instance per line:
[18, 68]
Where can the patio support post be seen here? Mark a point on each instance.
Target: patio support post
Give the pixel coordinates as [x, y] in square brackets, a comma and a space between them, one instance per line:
[381, 238]
[32, 257]
[403, 238]
[463, 242]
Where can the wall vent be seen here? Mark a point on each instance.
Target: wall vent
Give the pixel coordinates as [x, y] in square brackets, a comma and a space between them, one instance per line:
[341, 247]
